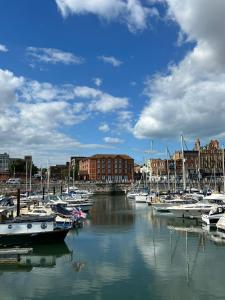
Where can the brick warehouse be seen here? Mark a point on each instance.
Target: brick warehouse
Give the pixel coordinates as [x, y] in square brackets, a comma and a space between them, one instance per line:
[107, 167]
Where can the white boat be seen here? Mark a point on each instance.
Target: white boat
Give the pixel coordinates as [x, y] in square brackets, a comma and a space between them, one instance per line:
[214, 215]
[221, 223]
[132, 194]
[165, 206]
[29, 230]
[69, 202]
[141, 198]
[195, 210]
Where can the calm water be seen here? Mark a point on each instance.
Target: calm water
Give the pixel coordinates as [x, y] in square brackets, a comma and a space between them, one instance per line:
[123, 252]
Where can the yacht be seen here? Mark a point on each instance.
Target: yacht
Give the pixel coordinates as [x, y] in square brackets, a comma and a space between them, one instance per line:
[144, 197]
[195, 210]
[221, 223]
[214, 215]
[167, 204]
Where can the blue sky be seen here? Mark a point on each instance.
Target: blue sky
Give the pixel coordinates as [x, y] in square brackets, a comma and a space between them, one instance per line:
[85, 77]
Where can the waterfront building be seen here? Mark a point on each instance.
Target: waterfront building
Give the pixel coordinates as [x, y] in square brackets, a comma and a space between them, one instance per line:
[74, 162]
[59, 172]
[107, 168]
[204, 161]
[4, 163]
[137, 172]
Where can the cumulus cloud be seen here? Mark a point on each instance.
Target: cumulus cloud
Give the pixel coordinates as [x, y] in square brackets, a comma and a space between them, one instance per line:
[97, 81]
[100, 101]
[130, 12]
[53, 56]
[190, 98]
[33, 90]
[34, 116]
[112, 140]
[104, 127]
[3, 48]
[9, 85]
[110, 60]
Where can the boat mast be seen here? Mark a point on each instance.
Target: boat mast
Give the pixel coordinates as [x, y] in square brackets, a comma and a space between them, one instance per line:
[199, 169]
[175, 175]
[30, 175]
[26, 178]
[168, 172]
[150, 168]
[183, 163]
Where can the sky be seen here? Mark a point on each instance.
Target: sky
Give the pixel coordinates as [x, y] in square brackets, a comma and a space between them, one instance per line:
[121, 76]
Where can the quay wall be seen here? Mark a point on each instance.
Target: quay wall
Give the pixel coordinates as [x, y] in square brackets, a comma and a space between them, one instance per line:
[106, 188]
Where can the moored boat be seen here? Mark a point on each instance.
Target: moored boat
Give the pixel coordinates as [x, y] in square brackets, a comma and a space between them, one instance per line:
[27, 230]
[213, 216]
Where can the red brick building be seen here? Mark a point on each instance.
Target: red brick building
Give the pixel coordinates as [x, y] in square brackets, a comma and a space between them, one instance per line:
[107, 167]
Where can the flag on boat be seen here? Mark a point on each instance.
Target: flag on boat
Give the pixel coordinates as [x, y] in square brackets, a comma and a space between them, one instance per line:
[77, 212]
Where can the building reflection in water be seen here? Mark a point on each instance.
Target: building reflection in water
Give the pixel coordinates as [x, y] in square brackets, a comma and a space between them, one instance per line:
[114, 210]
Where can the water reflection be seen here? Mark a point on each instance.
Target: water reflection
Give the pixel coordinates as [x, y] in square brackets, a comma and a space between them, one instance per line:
[125, 252]
[113, 210]
[42, 256]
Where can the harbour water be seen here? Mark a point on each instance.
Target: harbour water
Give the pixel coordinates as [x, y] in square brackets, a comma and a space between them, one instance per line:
[124, 251]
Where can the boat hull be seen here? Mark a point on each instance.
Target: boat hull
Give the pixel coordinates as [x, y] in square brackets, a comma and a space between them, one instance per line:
[33, 238]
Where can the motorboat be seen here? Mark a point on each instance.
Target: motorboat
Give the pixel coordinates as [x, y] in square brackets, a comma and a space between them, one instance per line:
[69, 202]
[144, 197]
[220, 225]
[27, 230]
[132, 194]
[214, 215]
[195, 210]
[167, 204]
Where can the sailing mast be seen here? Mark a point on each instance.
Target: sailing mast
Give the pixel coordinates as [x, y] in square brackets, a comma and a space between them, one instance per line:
[199, 169]
[31, 175]
[175, 175]
[26, 179]
[183, 163]
[168, 171]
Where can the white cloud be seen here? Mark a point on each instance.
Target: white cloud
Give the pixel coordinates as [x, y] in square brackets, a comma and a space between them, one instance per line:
[97, 81]
[110, 60]
[104, 127]
[131, 12]
[111, 140]
[3, 48]
[100, 101]
[124, 120]
[37, 118]
[33, 90]
[53, 56]
[190, 99]
[9, 84]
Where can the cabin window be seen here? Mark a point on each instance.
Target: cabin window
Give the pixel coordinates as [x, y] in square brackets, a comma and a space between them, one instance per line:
[43, 225]
[29, 226]
[10, 226]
